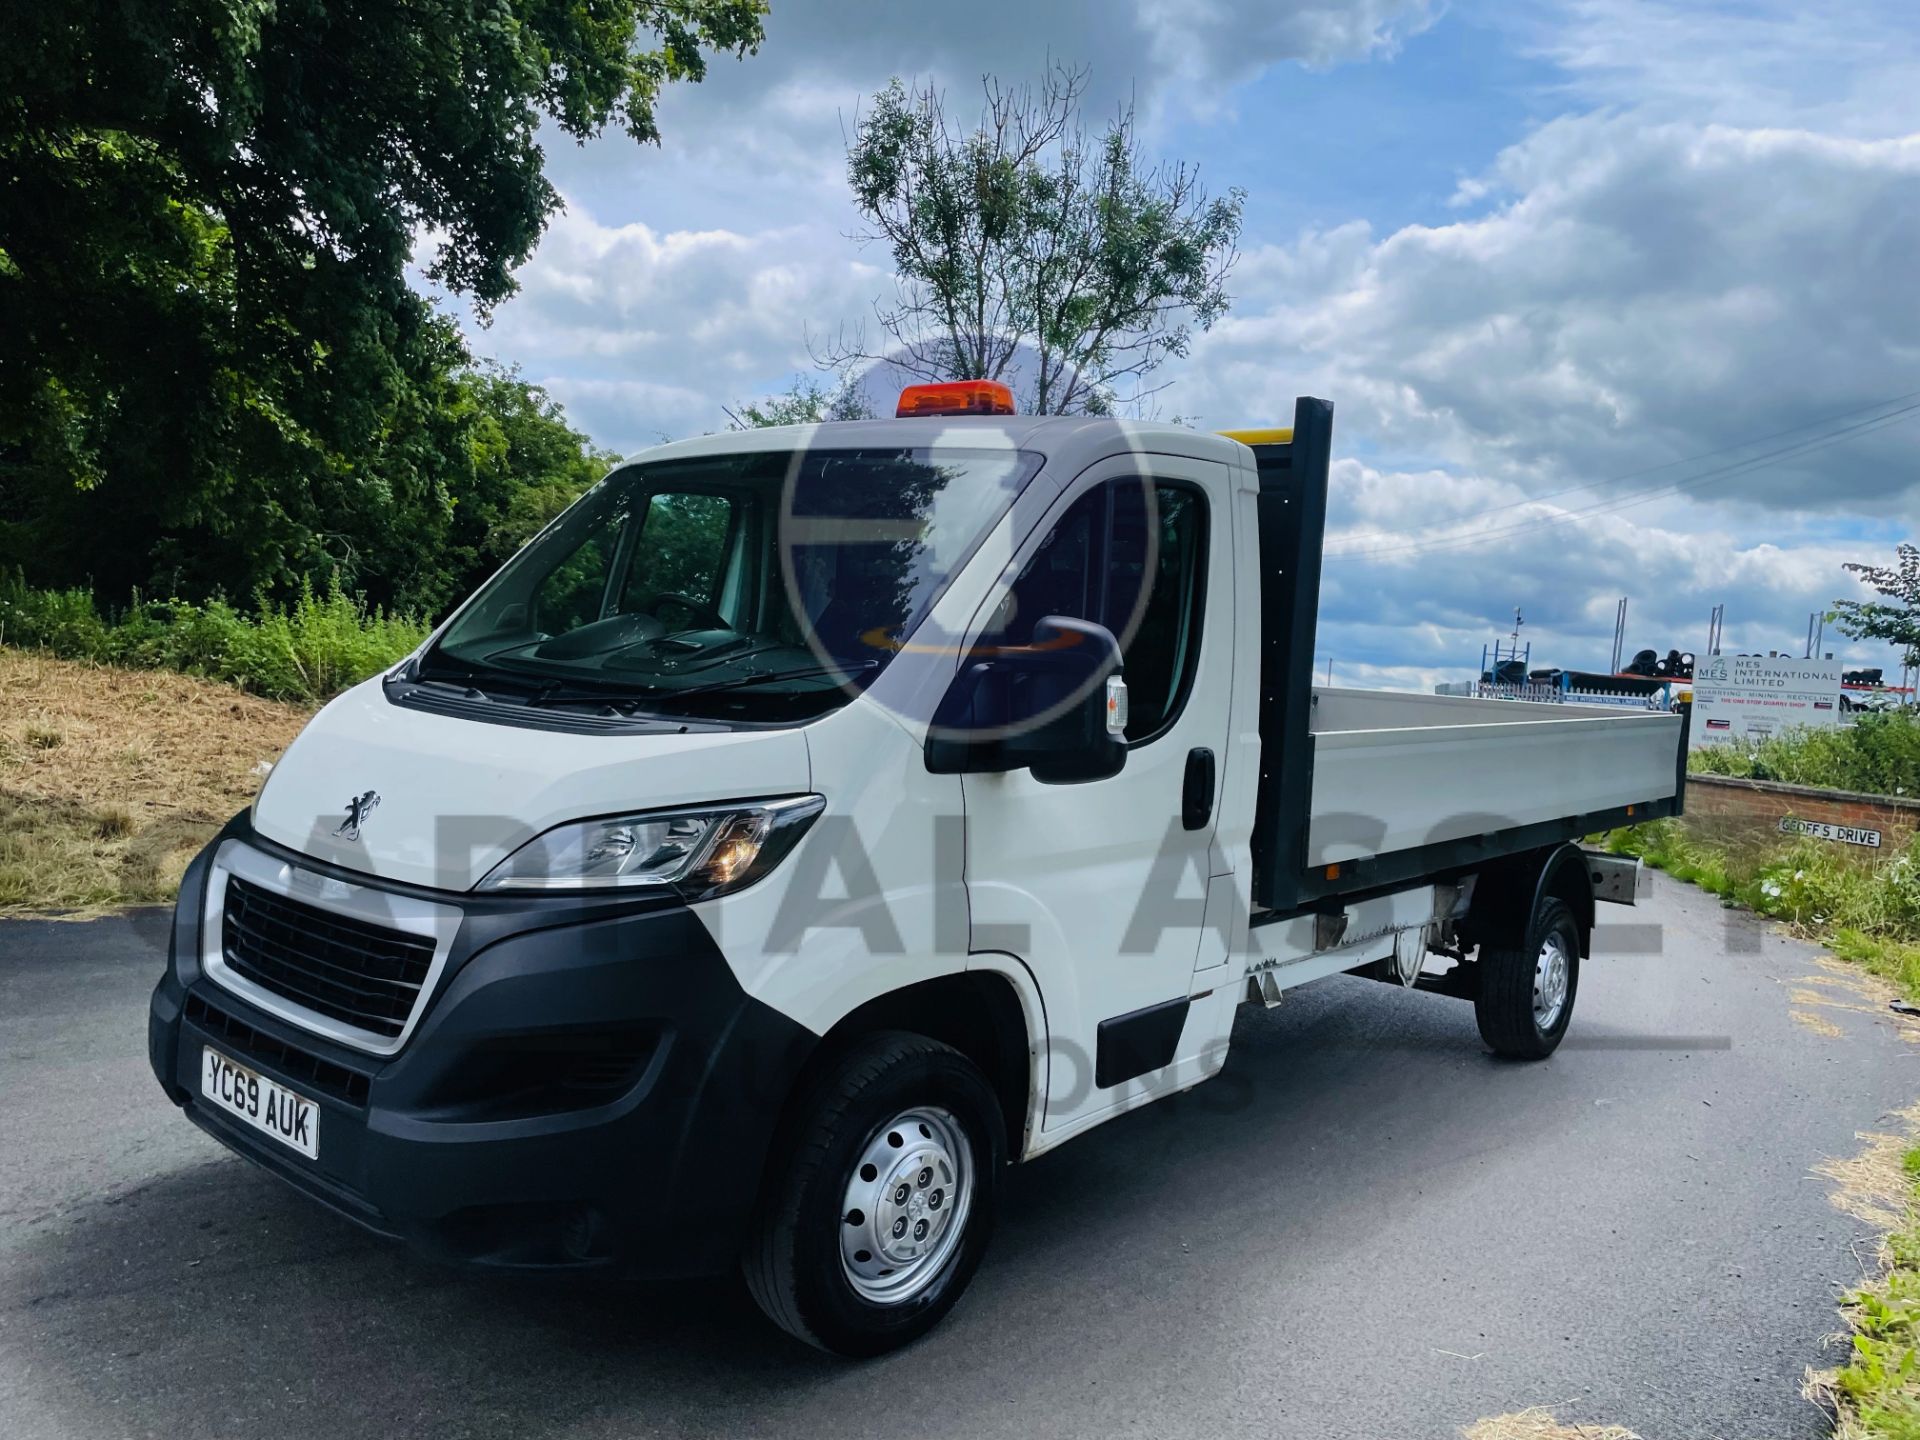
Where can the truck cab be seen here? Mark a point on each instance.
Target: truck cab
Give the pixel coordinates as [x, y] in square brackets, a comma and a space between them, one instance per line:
[812, 821]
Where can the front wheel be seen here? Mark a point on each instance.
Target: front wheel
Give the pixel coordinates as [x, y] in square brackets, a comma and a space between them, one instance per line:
[1526, 991]
[880, 1203]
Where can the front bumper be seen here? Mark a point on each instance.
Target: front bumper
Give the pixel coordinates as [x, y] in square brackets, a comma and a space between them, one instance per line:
[587, 1085]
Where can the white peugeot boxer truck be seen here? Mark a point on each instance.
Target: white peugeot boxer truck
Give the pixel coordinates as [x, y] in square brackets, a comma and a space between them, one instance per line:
[810, 822]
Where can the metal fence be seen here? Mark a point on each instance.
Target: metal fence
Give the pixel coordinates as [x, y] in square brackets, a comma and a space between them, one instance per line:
[1554, 695]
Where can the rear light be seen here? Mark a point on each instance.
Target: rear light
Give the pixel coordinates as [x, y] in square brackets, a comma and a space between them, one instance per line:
[956, 397]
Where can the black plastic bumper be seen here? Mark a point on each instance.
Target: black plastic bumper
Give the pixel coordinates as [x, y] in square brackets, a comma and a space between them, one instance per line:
[588, 1085]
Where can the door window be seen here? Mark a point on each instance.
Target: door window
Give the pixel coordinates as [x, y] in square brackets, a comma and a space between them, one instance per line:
[1133, 557]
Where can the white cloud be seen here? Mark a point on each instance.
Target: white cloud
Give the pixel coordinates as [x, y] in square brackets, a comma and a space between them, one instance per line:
[645, 334]
[1408, 620]
[1625, 292]
[1641, 293]
[763, 137]
[1208, 41]
[1844, 68]
[1714, 243]
[699, 269]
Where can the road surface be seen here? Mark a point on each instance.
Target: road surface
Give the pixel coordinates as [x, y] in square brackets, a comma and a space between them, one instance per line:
[1364, 1227]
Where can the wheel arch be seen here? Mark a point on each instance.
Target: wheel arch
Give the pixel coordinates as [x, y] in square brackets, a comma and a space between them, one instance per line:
[982, 1013]
[1508, 894]
[1567, 878]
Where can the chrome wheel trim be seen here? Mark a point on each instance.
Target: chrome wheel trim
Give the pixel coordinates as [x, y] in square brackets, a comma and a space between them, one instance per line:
[905, 1205]
[1552, 978]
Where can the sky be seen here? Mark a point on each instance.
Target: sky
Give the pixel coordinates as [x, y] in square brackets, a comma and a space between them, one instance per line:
[1612, 297]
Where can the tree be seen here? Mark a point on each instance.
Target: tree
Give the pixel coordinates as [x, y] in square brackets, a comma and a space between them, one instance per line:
[1028, 237]
[213, 371]
[804, 402]
[1897, 623]
[509, 461]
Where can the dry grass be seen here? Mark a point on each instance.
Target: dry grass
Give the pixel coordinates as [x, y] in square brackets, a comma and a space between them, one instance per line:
[1816, 1024]
[1537, 1423]
[111, 779]
[1875, 1393]
[1872, 1185]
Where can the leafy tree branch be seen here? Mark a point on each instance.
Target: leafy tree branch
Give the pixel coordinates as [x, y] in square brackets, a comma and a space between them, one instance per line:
[1030, 250]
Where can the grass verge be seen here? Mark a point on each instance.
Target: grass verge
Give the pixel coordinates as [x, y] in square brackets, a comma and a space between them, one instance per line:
[306, 652]
[111, 779]
[1863, 909]
[1875, 1393]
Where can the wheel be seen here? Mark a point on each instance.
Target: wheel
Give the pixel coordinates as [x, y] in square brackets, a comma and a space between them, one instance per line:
[1526, 992]
[878, 1206]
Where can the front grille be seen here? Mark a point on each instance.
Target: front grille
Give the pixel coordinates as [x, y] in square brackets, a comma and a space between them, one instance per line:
[361, 974]
[305, 1070]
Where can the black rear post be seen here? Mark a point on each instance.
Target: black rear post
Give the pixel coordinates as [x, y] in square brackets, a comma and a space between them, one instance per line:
[1293, 523]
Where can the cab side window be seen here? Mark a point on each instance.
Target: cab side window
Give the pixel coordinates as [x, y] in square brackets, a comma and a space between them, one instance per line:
[681, 549]
[1132, 557]
[571, 595]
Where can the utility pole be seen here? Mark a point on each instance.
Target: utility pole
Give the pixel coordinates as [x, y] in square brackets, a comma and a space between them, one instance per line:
[1716, 622]
[1619, 633]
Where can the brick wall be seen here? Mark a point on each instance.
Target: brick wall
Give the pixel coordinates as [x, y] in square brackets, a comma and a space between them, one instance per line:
[1738, 812]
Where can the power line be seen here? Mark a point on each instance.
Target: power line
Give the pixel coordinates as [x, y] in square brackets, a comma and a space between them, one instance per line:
[1640, 497]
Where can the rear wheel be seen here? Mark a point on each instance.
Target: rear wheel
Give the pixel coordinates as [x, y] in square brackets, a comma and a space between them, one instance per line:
[879, 1205]
[1527, 991]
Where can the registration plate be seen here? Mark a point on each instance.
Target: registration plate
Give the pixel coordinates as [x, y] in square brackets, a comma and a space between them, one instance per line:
[268, 1107]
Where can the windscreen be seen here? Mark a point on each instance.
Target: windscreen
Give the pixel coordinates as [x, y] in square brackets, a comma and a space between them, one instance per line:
[769, 586]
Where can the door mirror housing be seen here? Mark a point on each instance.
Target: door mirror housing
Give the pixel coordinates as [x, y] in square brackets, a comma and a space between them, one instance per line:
[1056, 707]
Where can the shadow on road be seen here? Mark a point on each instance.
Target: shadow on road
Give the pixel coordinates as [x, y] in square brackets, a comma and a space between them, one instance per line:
[211, 1297]
[1357, 1130]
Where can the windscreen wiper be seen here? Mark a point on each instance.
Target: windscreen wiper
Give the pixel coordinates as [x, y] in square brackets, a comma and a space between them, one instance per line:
[740, 682]
[554, 693]
[463, 681]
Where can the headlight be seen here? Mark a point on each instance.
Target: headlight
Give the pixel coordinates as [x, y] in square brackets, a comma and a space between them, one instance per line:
[700, 853]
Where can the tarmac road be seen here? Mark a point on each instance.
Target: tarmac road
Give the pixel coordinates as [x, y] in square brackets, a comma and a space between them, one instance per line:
[1364, 1227]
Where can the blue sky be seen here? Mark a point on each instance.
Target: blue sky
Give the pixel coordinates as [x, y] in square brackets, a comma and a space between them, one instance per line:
[1533, 250]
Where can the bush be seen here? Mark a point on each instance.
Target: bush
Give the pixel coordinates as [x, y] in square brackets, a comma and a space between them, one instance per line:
[1877, 755]
[307, 651]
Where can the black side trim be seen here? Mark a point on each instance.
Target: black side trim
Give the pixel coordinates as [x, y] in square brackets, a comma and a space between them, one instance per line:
[1133, 1044]
[1371, 875]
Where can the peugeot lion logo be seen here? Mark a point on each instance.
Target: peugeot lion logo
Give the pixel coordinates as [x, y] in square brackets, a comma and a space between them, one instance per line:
[358, 809]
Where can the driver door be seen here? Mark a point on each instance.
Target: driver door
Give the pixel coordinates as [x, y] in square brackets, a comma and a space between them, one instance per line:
[1099, 887]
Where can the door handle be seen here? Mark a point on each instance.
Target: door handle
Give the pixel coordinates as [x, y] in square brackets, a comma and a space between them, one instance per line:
[1196, 798]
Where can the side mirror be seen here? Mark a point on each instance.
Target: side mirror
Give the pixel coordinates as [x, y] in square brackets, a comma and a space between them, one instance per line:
[1057, 707]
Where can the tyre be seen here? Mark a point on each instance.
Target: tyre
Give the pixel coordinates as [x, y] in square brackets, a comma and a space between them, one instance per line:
[879, 1201]
[1526, 992]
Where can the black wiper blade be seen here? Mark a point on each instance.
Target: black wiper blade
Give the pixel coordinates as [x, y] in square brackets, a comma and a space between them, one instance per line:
[462, 681]
[767, 677]
[553, 694]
